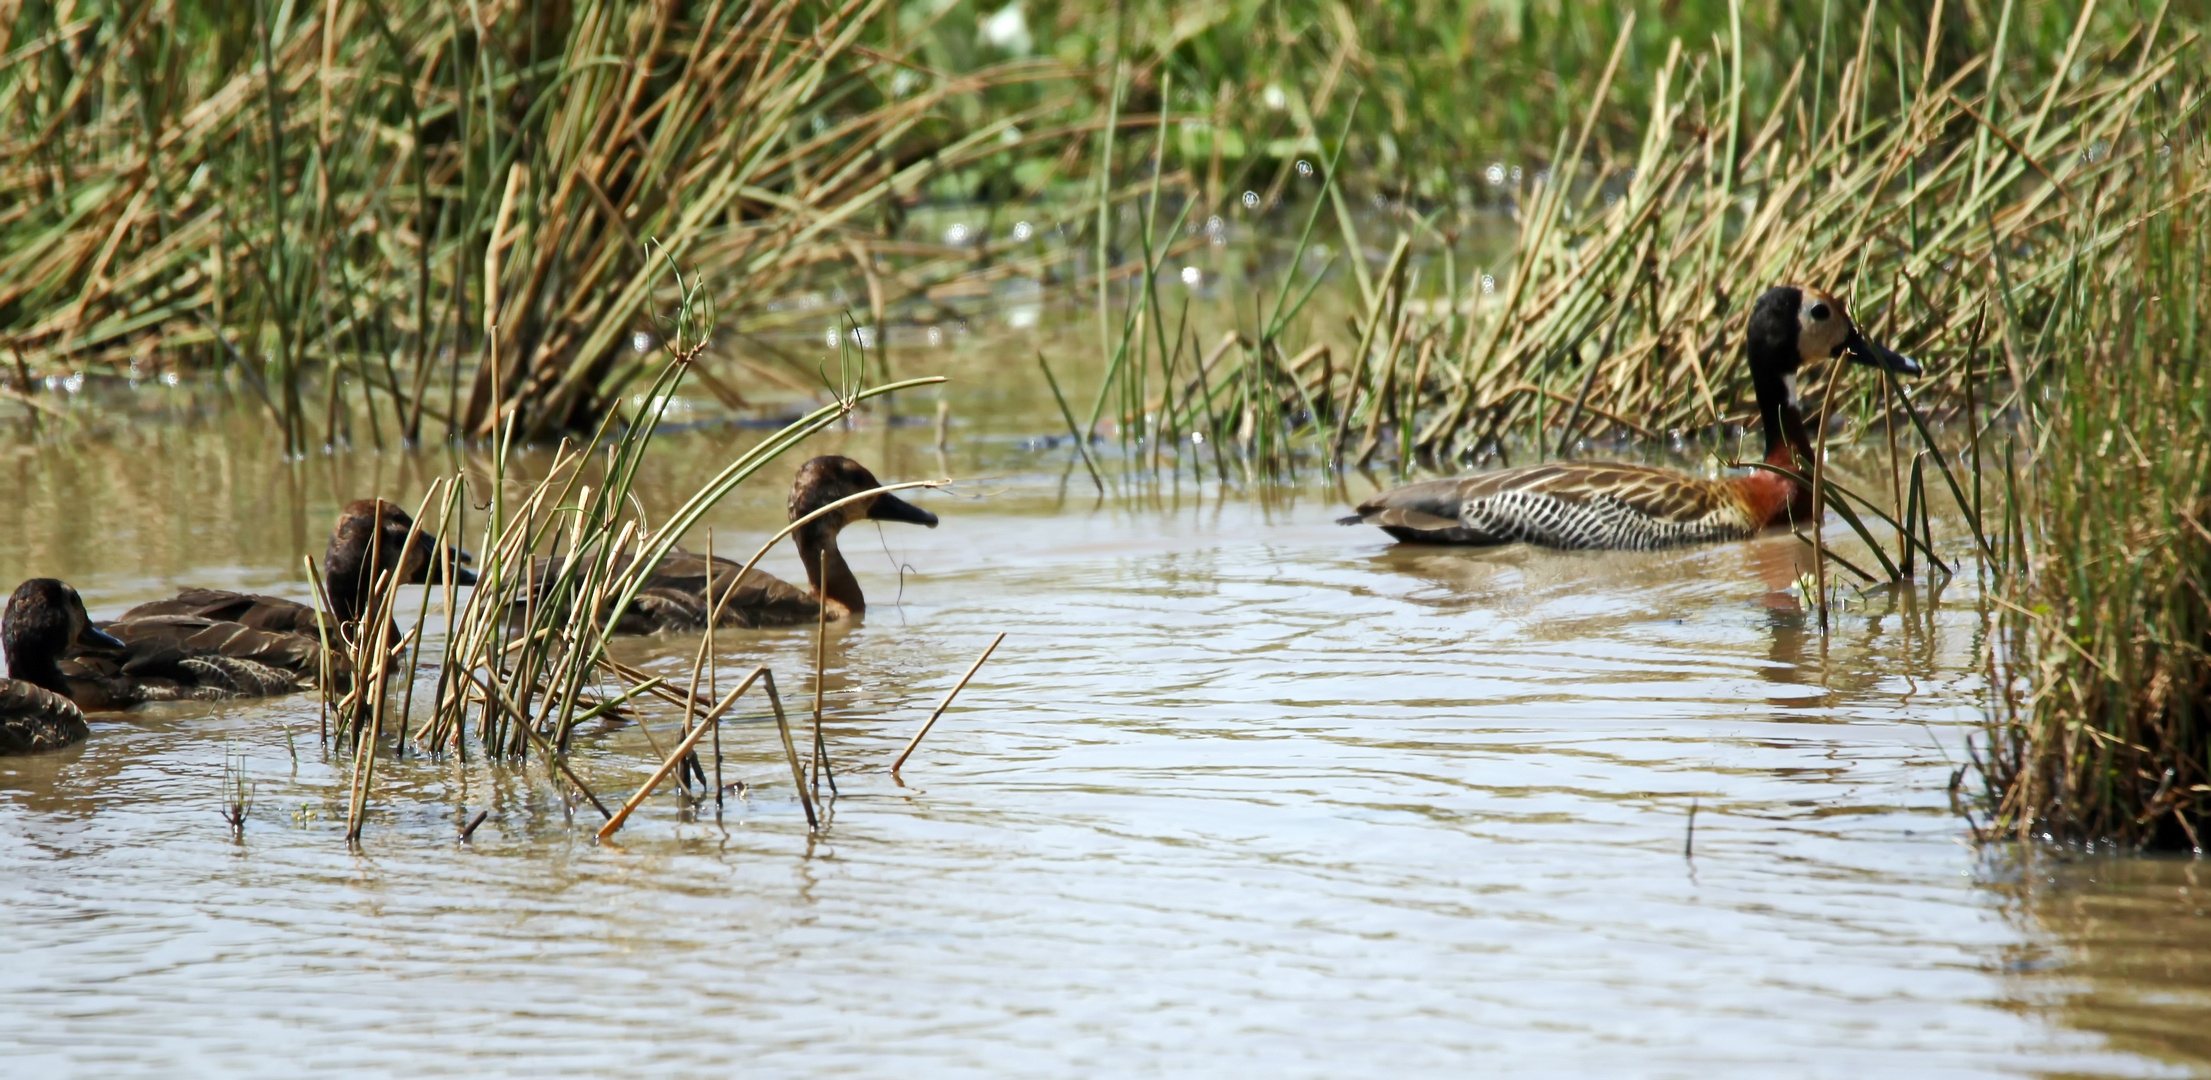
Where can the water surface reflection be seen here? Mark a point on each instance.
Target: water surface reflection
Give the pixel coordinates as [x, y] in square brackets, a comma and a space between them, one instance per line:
[1243, 791]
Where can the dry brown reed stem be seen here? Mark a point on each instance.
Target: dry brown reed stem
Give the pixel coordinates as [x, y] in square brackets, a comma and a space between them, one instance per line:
[674, 761]
[946, 703]
[1819, 492]
[700, 662]
[790, 754]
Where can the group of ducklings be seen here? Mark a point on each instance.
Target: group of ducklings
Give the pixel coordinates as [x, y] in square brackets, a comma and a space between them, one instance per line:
[213, 644]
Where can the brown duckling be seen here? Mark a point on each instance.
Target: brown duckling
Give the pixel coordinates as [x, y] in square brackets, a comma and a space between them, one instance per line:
[685, 586]
[44, 620]
[52, 644]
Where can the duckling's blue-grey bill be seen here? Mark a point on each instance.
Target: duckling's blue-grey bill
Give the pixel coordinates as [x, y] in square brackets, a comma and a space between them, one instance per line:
[95, 637]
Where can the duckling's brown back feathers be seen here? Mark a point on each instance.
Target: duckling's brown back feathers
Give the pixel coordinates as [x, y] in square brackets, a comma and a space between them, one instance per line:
[271, 613]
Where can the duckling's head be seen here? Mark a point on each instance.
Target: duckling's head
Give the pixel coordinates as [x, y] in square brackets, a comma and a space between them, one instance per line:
[372, 537]
[829, 478]
[1792, 326]
[45, 618]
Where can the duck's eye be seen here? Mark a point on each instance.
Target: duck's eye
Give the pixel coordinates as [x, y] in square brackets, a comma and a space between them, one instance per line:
[1819, 313]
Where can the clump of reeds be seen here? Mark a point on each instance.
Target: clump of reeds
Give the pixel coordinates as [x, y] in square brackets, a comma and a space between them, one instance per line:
[336, 203]
[2105, 543]
[524, 661]
[1622, 310]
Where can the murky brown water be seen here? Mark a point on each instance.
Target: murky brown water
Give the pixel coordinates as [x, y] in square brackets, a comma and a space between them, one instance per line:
[1243, 792]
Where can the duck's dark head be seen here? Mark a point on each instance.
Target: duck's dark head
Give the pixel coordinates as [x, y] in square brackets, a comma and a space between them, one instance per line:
[372, 539]
[827, 479]
[1792, 327]
[45, 619]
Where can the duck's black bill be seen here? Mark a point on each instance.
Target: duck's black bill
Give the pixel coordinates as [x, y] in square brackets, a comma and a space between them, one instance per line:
[892, 508]
[94, 637]
[1864, 350]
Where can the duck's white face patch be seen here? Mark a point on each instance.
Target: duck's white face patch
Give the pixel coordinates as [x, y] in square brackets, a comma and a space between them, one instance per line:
[1821, 327]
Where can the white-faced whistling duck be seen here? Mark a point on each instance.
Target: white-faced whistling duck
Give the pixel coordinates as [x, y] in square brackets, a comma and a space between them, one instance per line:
[1578, 505]
[678, 594]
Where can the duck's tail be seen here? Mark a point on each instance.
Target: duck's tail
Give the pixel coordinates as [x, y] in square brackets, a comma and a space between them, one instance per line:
[1352, 519]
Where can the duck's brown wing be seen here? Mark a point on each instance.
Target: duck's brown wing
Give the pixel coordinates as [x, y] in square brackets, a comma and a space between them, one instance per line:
[271, 613]
[1562, 505]
[33, 718]
[1422, 513]
[674, 596]
[227, 659]
[759, 599]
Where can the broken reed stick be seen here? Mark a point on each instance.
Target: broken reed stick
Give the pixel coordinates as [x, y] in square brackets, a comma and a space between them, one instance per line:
[790, 749]
[713, 660]
[821, 649]
[674, 761]
[946, 703]
[469, 830]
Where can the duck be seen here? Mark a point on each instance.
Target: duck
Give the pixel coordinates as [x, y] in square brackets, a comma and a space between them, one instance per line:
[1575, 505]
[215, 643]
[370, 538]
[44, 620]
[103, 667]
[684, 587]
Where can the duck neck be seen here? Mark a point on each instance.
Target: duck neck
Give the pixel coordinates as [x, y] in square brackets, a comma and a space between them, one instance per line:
[37, 667]
[344, 582]
[826, 570]
[1788, 445]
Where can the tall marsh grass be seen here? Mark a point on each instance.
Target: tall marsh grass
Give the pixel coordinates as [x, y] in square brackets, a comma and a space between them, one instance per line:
[339, 203]
[2103, 730]
[1965, 212]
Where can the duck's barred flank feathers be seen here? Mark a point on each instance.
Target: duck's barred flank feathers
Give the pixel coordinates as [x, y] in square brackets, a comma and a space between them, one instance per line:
[1568, 505]
[231, 676]
[33, 719]
[1601, 521]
